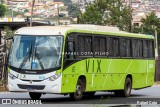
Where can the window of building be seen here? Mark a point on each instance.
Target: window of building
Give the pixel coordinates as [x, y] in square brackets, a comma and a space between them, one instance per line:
[136, 24]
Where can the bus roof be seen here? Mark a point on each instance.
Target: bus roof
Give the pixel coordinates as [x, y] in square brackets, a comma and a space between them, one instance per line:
[63, 29]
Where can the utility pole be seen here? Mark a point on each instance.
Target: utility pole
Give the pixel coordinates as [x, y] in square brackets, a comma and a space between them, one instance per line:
[156, 40]
[130, 12]
[58, 14]
[12, 11]
[32, 12]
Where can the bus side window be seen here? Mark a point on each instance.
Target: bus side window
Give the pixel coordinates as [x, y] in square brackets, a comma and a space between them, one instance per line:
[70, 50]
[145, 49]
[148, 49]
[113, 47]
[151, 49]
[99, 46]
[137, 48]
[125, 47]
[85, 45]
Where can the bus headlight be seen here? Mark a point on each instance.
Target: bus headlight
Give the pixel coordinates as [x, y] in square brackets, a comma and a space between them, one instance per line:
[12, 76]
[54, 77]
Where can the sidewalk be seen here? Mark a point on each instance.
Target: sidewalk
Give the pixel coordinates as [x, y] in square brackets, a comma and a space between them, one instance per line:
[157, 83]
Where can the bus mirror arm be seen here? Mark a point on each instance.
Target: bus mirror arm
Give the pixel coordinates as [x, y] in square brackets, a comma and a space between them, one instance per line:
[10, 38]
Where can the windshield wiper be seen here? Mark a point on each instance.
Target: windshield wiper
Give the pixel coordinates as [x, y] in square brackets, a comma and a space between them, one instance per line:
[26, 57]
[38, 58]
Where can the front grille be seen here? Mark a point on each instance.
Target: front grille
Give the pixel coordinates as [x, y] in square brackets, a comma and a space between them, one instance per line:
[31, 87]
[32, 80]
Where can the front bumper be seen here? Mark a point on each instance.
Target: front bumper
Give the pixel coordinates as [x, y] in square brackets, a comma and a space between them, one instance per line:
[44, 86]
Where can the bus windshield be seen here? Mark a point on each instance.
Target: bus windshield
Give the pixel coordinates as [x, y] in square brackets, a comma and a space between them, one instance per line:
[36, 52]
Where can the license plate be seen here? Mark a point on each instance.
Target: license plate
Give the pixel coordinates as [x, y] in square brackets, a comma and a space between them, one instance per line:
[30, 89]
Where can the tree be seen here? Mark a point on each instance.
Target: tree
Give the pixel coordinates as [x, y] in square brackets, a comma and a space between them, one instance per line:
[150, 23]
[8, 32]
[92, 15]
[73, 10]
[137, 29]
[2, 1]
[2, 10]
[108, 12]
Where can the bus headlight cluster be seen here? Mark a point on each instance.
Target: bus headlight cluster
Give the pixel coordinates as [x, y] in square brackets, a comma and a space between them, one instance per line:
[12, 76]
[54, 77]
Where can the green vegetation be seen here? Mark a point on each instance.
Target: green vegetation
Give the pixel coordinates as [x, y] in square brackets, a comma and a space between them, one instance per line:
[8, 32]
[73, 10]
[92, 15]
[150, 24]
[108, 12]
[2, 10]
[1, 1]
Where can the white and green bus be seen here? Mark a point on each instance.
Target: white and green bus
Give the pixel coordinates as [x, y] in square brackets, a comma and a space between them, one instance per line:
[79, 60]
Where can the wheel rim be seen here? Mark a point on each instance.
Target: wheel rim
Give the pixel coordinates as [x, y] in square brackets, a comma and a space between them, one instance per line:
[79, 91]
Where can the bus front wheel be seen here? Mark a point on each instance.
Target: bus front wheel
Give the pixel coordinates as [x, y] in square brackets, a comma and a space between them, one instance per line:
[35, 96]
[78, 94]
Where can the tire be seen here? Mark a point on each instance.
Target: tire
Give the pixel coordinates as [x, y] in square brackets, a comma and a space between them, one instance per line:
[127, 89]
[78, 94]
[35, 96]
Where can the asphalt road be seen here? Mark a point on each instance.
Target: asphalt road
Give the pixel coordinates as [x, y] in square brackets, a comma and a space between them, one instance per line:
[148, 96]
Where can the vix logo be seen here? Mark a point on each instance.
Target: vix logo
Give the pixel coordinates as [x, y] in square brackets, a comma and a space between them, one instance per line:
[93, 64]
